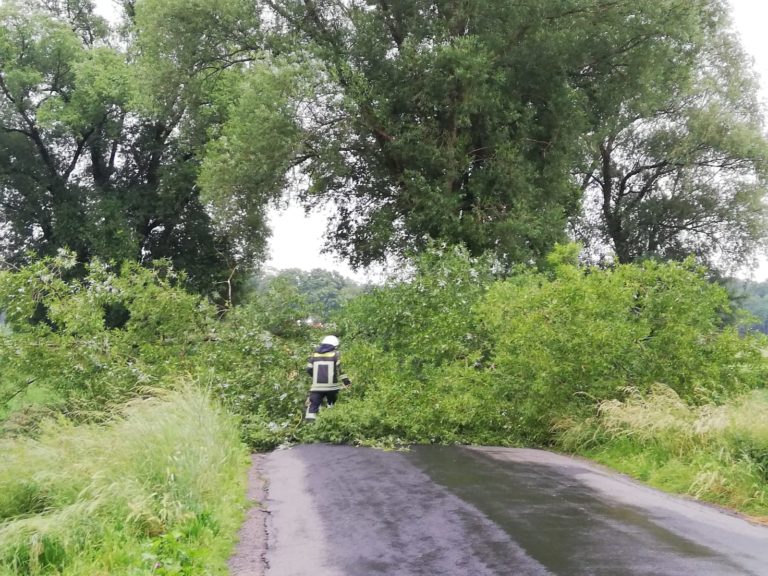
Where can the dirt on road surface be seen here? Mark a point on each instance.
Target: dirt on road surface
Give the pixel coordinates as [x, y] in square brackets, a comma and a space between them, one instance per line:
[345, 511]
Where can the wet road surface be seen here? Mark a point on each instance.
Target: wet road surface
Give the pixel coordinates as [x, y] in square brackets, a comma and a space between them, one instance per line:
[344, 511]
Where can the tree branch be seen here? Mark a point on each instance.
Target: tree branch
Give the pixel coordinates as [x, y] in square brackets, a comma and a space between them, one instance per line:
[78, 151]
[33, 133]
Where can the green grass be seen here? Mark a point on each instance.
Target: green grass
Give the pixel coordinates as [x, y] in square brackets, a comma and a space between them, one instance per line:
[718, 454]
[17, 413]
[159, 490]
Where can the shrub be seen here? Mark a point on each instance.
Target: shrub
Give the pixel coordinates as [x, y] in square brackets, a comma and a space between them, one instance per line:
[427, 317]
[101, 339]
[448, 360]
[257, 375]
[63, 341]
[562, 344]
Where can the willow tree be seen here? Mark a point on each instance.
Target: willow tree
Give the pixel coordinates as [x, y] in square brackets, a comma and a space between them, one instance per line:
[444, 120]
[453, 120]
[463, 122]
[679, 168]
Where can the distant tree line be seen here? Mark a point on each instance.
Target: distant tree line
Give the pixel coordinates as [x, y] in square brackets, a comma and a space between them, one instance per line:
[313, 295]
[752, 297]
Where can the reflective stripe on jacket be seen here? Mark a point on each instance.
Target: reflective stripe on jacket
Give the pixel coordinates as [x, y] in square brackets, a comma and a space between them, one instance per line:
[325, 368]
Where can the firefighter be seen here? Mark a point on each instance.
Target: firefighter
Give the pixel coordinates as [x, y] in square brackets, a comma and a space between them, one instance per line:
[324, 367]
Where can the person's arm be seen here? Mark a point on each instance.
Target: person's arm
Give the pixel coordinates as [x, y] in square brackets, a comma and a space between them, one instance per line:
[343, 377]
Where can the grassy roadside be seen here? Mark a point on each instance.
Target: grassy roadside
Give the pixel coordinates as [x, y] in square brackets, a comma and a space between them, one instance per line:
[160, 491]
[717, 454]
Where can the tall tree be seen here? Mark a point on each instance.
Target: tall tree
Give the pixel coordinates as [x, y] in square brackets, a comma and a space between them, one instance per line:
[45, 126]
[680, 168]
[190, 59]
[98, 155]
[459, 121]
[463, 121]
[427, 125]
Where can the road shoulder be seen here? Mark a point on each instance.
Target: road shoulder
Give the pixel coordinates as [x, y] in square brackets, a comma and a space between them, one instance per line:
[249, 558]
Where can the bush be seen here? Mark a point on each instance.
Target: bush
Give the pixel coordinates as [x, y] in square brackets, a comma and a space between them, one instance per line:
[63, 341]
[86, 345]
[428, 317]
[258, 375]
[417, 348]
[445, 360]
[562, 344]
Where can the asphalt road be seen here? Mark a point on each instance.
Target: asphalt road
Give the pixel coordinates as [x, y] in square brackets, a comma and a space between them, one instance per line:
[344, 511]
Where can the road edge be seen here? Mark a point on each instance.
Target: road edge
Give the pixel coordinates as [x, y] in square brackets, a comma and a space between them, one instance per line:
[250, 557]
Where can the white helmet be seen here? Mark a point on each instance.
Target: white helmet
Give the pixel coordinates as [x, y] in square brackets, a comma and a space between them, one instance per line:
[332, 340]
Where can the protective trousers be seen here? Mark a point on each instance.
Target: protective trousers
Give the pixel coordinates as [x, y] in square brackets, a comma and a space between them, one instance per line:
[316, 398]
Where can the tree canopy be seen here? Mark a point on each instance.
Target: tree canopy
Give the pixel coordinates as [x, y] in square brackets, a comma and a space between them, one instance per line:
[680, 169]
[486, 124]
[99, 155]
[494, 125]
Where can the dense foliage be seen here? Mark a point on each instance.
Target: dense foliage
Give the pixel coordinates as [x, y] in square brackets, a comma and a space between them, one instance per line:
[168, 133]
[508, 360]
[585, 335]
[100, 145]
[100, 338]
[460, 349]
[455, 352]
[137, 164]
[89, 344]
[420, 122]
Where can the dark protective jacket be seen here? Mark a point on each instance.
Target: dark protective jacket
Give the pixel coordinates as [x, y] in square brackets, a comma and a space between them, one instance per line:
[324, 366]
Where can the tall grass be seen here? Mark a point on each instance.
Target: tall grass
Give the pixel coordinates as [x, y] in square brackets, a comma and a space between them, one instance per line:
[717, 453]
[158, 491]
